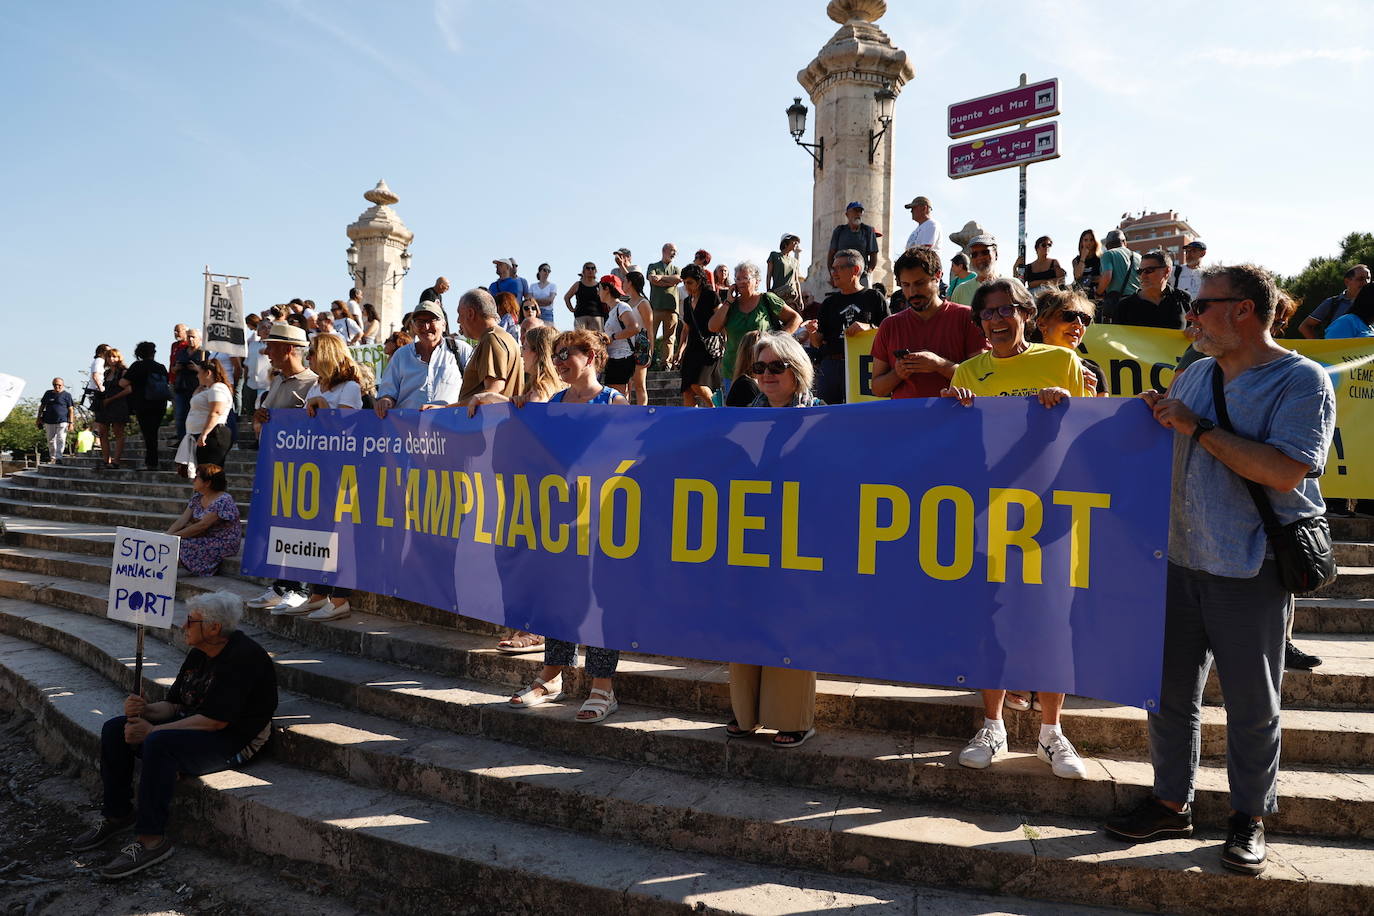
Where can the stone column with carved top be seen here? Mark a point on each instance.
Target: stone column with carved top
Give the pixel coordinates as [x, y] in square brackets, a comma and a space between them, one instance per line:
[383, 244]
[857, 61]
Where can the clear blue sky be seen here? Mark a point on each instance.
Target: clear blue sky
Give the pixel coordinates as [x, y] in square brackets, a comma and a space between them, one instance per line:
[145, 140]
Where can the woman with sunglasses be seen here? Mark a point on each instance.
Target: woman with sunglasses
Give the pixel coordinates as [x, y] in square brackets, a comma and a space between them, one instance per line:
[544, 293]
[761, 696]
[576, 357]
[1015, 367]
[622, 324]
[1062, 320]
[1044, 272]
[530, 317]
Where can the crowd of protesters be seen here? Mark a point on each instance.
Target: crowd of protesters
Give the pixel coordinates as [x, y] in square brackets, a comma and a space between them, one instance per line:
[1242, 408]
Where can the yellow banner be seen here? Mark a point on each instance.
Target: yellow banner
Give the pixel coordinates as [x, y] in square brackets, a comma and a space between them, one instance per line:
[1138, 359]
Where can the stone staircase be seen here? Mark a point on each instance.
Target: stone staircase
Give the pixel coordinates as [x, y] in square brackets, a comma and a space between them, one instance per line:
[397, 760]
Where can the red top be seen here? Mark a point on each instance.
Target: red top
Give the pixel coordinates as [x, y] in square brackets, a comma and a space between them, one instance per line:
[949, 333]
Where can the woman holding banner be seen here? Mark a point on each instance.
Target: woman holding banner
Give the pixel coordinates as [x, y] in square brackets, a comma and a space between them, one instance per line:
[577, 355]
[541, 384]
[762, 696]
[209, 527]
[1003, 309]
[207, 439]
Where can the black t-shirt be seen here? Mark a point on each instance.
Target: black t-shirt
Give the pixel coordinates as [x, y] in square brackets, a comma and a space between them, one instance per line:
[1141, 312]
[137, 376]
[238, 686]
[743, 390]
[699, 321]
[587, 301]
[840, 310]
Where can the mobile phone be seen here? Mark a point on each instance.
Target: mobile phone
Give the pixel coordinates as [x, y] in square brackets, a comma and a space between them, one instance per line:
[902, 354]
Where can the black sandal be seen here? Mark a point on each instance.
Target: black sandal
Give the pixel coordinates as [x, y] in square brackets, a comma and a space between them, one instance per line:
[732, 729]
[797, 738]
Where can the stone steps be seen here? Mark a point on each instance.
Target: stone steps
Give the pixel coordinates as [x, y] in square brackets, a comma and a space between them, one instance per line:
[171, 506]
[431, 852]
[844, 831]
[130, 486]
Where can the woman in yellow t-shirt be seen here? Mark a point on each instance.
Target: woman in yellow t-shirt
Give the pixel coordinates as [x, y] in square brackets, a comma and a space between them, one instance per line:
[1003, 309]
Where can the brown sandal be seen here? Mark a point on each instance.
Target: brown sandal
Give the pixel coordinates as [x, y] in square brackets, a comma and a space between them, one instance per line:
[521, 643]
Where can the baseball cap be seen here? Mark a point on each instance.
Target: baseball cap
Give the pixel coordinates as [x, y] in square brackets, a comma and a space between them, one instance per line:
[506, 261]
[854, 204]
[917, 201]
[1197, 243]
[624, 251]
[427, 308]
[613, 282]
[988, 240]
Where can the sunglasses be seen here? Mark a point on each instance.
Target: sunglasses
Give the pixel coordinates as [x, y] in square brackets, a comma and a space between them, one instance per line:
[1005, 311]
[776, 367]
[1150, 270]
[530, 308]
[1200, 306]
[1082, 318]
[563, 354]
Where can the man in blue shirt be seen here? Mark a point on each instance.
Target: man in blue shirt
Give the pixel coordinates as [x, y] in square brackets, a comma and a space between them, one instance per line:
[1224, 597]
[1356, 279]
[508, 282]
[56, 412]
[426, 372]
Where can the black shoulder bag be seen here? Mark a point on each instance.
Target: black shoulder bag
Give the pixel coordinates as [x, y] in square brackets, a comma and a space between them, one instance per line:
[1302, 550]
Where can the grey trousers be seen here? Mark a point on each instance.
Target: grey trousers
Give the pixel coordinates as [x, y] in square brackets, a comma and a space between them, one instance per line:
[1240, 623]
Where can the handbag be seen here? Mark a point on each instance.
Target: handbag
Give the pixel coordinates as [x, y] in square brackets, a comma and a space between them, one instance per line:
[1302, 549]
[714, 343]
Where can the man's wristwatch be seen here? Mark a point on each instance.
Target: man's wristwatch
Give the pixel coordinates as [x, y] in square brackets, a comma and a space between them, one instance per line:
[1204, 425]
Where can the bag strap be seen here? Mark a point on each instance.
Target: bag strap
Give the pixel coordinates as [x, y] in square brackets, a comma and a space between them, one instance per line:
[1266, 511]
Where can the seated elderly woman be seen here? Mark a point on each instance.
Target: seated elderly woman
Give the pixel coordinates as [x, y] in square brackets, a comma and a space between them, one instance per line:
[209, 528]
[217, 715]
[761, 696]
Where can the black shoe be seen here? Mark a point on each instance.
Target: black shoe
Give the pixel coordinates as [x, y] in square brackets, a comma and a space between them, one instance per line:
[1151, 820]
[134, 858]
[1244, 850]
[101, 832]
[1294, 659]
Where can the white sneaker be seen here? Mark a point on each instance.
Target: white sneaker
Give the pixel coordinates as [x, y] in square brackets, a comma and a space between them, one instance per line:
[292, 604]
[983, 749]
[267, 599]
[331, 611]
[1062, 758]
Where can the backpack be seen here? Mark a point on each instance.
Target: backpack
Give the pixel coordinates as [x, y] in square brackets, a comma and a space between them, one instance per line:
[155, 387]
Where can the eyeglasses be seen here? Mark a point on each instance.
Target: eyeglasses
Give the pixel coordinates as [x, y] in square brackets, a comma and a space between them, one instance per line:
[1005, 311]
[776, 367]
[1200, 306]
[191, 620]
[1150, 270]
[1082, 318]
[563, 354]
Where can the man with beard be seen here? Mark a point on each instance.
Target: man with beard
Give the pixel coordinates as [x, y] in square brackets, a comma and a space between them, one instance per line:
[918, 349]
[1224, 598]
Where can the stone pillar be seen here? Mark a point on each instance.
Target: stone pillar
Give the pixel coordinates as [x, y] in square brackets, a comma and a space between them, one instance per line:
[841, 81]
[381, 239]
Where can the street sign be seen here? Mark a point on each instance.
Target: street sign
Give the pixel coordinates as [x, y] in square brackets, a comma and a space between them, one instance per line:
[1012, 106]
[1036, 143]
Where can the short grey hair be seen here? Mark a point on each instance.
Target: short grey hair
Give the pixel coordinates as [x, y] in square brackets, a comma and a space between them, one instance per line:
[223, 608]
[1160, 255]
[752, 270]
[480, 301]
[851, 255]
[788, 349]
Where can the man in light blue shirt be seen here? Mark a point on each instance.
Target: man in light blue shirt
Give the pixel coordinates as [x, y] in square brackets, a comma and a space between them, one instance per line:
[423, 372]
[1224, 598]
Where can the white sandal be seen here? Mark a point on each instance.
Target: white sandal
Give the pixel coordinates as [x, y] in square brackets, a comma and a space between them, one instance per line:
[531, 697]
[599, 707]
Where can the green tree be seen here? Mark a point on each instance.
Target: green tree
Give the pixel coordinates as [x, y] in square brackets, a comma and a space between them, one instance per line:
[19, 433]
[1324, 277]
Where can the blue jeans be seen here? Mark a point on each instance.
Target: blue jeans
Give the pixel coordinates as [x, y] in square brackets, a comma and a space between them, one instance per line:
[830, 381]
[181, 405]
[164, 754]
[1240, 623]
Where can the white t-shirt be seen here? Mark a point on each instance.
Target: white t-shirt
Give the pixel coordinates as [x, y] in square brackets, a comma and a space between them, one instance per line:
[97, 380]
[927, 234]
[355, 309]
[258, 364]
[619, 348]
[1189, 280]
[347, 328]
[307, 314]
[544, 290]
[202, 401]
[347, 394]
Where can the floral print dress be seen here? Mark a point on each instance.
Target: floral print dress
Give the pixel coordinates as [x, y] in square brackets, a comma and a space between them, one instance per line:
[202, 555]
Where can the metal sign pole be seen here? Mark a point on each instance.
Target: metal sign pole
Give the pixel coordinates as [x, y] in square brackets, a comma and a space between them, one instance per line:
[1021, 210]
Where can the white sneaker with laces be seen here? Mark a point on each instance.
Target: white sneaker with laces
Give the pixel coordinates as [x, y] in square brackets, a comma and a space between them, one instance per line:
[292, 604]
[330, 611]
[267, 599]
[1062, 757]
[983, 749]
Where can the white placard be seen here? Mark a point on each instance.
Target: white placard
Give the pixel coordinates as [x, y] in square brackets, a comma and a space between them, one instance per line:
[10, 388]
[224, 330]
[143, 577]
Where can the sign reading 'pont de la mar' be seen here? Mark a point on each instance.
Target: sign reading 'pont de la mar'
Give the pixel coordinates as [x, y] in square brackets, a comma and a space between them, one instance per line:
[1010, 106]
[1036, 143]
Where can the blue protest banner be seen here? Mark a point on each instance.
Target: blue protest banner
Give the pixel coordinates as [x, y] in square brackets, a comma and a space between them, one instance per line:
[1002, 545]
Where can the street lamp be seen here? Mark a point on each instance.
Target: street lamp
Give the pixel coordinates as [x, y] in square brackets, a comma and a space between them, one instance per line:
[796, 126]
[886, 99]
[405, 268]
[358, 274]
